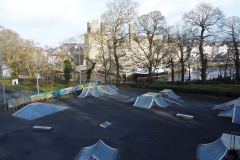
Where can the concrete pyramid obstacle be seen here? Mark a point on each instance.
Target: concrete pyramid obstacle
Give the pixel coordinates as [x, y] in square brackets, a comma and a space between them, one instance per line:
[36, 110]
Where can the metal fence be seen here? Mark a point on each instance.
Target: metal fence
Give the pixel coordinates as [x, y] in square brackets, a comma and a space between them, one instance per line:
[2, 106]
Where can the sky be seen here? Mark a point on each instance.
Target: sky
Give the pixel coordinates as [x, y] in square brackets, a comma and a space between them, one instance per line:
[50, 22]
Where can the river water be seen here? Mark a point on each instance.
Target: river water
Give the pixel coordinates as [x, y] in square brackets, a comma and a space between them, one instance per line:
[195, 74]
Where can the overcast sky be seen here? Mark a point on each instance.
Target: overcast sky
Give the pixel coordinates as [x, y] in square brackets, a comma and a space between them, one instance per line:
[49, 22]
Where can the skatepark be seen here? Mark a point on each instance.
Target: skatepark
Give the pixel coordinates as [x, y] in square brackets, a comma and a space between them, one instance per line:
[136, 133]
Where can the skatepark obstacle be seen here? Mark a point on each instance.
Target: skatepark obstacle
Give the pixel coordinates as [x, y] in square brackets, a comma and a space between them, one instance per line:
[41, 128]
[226, 105]
[113, 87]
[170, 96]
[218, 149]
[90, 91]
[105, 124]
[107, 90]
[230, 109]
[36, 110]
[150, 99]
[99, 151]
[185, 116]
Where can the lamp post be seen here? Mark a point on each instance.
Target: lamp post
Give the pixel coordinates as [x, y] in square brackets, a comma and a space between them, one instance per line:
[80, 70]
[4, 96]
[37, 69]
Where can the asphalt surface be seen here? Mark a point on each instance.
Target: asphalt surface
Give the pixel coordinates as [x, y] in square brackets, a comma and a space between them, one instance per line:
[138, 134]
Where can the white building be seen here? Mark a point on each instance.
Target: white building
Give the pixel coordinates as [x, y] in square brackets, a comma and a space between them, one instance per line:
[6, 71]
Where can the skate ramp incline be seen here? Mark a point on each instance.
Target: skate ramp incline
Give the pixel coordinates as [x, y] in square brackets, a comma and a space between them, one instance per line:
[170, 96]
[170, 93]
[99, 151]
[210, 151]
[107, 90]
[36, 110]
[143, 102]
[160, 101]
[227, 113]
[113, 87]
[226, 105]
[232, 112]
[236, 113]
[85, 92]
[95, 91]
[90, 91]
[218, 149]
[149, 99]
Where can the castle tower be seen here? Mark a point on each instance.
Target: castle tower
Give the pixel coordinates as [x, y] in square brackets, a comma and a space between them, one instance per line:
[132, 31]
[92, 27]
[103, 27]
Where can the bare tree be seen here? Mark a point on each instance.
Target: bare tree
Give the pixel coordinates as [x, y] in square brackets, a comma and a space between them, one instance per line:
[118, 15]
[148, 45]
[183, 38]
[204, 17]
[231, 29]
[170, 54]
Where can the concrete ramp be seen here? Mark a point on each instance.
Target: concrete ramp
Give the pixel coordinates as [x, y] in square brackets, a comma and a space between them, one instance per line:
[233, 112]
[90, 91]
[218, 149]
[113, 87]
[226, 105]
[107, 90]
[171, 97]
[170, 93]
[160, 101]
[36, 110]
[150, 99]
[236, 113]
[85, 92]
[210, 151]
[143, 102]
[95, 91]
[98, 151]
[227, 113]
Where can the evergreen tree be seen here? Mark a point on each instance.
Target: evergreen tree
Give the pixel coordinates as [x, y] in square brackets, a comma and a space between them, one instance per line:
[67, 70]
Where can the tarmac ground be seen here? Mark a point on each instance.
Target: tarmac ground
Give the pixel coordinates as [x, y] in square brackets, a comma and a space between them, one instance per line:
[137, 133]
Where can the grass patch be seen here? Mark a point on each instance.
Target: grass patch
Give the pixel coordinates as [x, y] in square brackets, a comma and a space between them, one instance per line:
[31, 84]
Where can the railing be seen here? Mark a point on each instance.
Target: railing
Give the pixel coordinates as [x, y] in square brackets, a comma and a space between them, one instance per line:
[3, 106]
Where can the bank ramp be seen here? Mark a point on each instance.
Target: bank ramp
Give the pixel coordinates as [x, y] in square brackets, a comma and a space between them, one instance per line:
[226, 105]
[215, 150]
[113, 87]
[171, 97]
[107, 90]
[218, 149]
[232, 112]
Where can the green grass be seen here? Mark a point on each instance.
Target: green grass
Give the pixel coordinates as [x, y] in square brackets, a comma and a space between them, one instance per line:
[31, 85]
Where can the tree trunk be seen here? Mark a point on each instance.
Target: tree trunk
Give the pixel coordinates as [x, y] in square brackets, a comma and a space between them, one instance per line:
[189, 73]
[116, 58]
[182, 68]
[105, 75]
[172, 68]
[236, 59]
[203, 59]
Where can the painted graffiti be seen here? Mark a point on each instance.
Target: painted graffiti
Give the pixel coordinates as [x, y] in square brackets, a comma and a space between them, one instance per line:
[13, 103]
